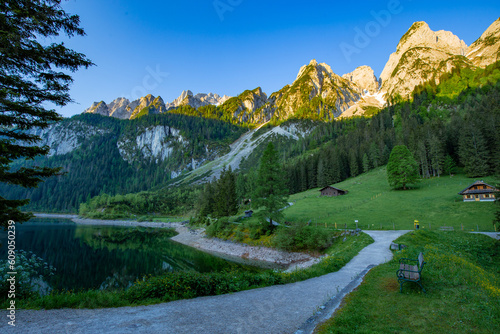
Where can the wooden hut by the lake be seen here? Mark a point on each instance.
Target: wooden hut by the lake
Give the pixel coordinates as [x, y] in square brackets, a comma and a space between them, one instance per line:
[332, 191]
[479, 192]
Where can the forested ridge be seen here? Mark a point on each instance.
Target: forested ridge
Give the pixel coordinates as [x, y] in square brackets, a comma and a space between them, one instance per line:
[97, 167]
[442, 126]
[453, 124]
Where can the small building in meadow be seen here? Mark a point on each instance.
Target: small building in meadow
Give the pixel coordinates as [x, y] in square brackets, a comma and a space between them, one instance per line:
[332, 191]
[479, 192]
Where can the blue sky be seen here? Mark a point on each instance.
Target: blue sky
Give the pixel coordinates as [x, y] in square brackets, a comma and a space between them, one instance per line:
[228, 46]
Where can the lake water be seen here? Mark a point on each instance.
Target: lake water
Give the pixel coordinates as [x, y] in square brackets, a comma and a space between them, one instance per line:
[84, 260]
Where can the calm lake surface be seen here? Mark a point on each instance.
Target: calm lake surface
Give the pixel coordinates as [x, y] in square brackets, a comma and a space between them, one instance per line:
[83, 260]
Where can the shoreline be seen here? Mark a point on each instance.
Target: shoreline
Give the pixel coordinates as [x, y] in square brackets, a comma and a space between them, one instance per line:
[229, 250]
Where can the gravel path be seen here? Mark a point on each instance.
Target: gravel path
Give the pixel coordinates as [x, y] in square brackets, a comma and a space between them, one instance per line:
[276, 309]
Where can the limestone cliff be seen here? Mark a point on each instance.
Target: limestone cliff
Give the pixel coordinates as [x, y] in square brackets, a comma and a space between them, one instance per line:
[247, 107]
[421, 55]
[196, 101]
[316, 93]
[66, 136]
[100, 108]
[122, 108]
[118, 108]
[364, 78]
[486, 50]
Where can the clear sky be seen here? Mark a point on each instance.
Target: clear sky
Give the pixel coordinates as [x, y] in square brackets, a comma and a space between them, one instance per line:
[228, 46]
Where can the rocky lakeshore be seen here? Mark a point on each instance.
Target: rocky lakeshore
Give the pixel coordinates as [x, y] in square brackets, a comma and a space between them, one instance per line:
[196, 238]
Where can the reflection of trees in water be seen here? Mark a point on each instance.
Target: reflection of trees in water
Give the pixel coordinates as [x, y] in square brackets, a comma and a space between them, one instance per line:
[84, 261]
[175, 256]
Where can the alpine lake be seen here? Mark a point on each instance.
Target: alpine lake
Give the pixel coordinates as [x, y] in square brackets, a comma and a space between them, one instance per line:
[75, 257]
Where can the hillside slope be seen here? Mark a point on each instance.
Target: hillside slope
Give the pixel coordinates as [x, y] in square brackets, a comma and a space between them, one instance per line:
[434, 203]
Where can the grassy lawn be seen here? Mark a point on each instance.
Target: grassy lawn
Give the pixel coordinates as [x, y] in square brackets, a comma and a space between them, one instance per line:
[434, 203]
[461, 278]
[172, 219]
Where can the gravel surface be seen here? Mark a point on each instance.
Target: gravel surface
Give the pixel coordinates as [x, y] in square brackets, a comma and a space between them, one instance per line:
[276, 309]
[227, 249]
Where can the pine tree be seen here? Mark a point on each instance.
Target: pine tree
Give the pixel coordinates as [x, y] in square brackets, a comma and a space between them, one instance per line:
[374, 155]
[402, 168]
[230, 198]
[474, 152]
[321, 174]
[31, 75]
[366, 163]
[449, 165]
[353, 163]
[270, 193]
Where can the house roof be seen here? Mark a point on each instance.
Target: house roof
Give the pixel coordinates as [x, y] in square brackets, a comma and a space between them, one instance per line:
[478, 191]
[332, 188]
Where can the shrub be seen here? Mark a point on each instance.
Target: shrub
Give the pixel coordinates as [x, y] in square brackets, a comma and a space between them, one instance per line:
[219, 229]
[300, 237]
[31, 273]
[181, 285]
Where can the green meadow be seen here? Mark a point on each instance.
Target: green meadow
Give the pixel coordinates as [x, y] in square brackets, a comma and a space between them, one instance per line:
[461, 279]
[433, 202]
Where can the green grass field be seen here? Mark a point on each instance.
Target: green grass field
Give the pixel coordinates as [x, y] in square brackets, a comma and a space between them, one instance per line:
[461, 278]
[434, 203]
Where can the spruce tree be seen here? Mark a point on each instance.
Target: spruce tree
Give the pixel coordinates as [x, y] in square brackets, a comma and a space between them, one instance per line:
[473, 151]
[402, 168]
[270, 193]
[31, 77]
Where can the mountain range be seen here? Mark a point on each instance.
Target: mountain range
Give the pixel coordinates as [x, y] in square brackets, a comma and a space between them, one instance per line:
[130, 146]
[422, 55]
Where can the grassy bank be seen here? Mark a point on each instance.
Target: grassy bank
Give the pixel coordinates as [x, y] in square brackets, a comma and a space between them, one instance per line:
[183, 285]
[433, 202]
[461, 278]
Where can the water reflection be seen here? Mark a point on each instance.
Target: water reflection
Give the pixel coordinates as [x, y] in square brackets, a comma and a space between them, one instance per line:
[84, 259]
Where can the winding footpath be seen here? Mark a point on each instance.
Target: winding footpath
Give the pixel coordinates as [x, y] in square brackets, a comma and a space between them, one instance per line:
[291, 308]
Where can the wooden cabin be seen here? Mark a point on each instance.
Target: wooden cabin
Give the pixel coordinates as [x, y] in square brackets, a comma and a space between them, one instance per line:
[479, 192]
[332, 191]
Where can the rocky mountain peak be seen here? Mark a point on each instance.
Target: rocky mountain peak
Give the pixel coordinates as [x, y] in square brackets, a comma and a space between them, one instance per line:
[315, 67]
[421, 55]
[486, 50]
[118, 108]
[421, 35]
[99, 108]
[196, 101]
[364, 78]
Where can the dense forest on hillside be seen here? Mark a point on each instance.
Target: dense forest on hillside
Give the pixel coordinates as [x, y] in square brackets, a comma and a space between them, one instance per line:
[97, 167]
[455, 123]
[441, 132]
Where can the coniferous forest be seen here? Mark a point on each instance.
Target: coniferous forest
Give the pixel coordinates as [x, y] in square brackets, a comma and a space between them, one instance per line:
[451, 125]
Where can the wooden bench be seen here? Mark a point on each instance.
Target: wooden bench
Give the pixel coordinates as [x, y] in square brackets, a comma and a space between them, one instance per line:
[446, 228]
[409, 272]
